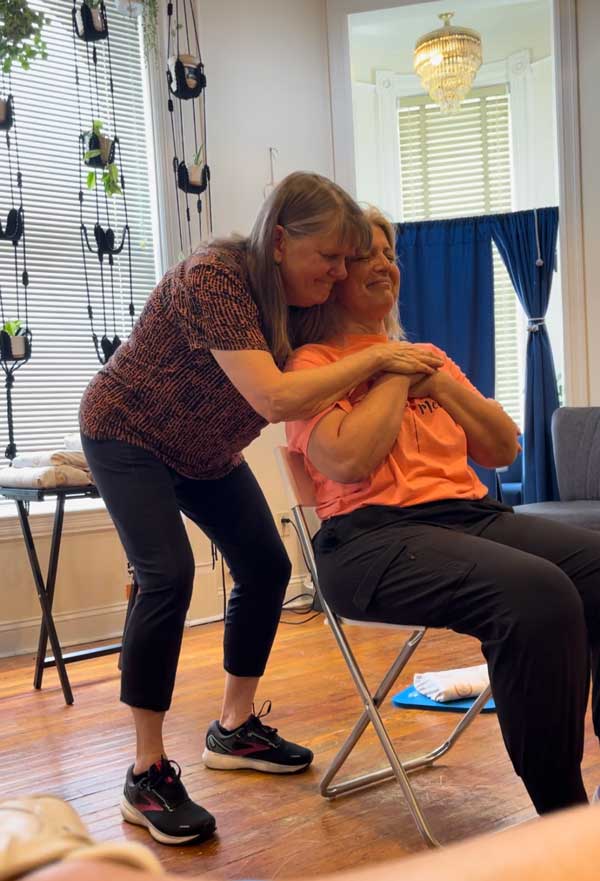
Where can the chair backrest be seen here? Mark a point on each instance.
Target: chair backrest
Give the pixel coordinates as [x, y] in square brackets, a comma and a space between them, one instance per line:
[297, 483]
[302, 501]
[576, 442]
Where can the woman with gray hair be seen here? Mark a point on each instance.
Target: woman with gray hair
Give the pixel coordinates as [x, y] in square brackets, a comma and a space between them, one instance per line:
[163, 427]
[409, 534]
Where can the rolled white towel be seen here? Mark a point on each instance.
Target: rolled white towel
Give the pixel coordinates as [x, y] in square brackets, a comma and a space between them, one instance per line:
[53, 457]
[73, 441]
[450, 685]
[44, 478]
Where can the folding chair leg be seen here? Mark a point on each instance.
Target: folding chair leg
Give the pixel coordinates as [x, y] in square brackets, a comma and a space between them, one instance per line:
[371, 714]
[386, 683]
[396, 769]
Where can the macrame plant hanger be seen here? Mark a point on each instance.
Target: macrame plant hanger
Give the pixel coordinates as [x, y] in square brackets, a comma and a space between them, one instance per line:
[16, 336]
[102, 170]
[187, 86]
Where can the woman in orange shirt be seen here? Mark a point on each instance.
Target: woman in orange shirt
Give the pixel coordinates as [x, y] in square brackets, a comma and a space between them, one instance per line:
[409, 533]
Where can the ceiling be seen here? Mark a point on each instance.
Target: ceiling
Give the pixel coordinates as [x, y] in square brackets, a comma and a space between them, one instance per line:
[385, 39]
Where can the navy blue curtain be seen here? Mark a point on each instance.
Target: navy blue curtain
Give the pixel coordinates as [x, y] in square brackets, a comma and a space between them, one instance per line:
[447, 296]
[527, 242]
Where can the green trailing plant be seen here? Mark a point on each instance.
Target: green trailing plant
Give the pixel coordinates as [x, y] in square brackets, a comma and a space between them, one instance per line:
[21, 34]
[197, 160]
[150, 28]
[13, 328]
[110, 172]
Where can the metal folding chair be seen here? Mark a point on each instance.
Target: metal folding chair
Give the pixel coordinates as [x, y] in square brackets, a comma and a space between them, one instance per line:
[302, 502]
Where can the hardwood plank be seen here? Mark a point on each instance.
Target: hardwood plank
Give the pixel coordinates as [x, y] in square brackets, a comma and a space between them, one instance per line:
[269, 827]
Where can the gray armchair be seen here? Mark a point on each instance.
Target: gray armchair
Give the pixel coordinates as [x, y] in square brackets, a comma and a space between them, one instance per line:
[576, 442]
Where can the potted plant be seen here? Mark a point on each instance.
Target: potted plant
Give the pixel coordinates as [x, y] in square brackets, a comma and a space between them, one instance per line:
[20, 34]
[90, 20]
[14, 341]
[99, 153]
[190, 65]
[98, 149]
[6, 114]
[195, 170]
[110, 180]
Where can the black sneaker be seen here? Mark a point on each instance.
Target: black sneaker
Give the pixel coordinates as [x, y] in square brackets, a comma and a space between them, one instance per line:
[254, 745]
[159, 801]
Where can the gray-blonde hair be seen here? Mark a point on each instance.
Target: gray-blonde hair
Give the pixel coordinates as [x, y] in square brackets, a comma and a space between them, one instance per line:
[304, 204]
[319, 323]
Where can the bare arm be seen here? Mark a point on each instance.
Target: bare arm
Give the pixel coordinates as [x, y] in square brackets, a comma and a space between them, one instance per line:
[491, 433]
[347, 447]
[301, 394]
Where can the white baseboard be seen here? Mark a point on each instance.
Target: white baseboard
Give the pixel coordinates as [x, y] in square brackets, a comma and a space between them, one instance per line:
[92, 625]
[74, 628]
[298, 584]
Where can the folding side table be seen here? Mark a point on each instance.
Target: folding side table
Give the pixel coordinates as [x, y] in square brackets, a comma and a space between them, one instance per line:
[45, 590]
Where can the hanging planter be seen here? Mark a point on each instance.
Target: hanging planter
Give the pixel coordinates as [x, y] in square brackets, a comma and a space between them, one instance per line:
[6, 113]
[195, 180]
[186, 76]
[13, 228]
[14, 342]
[89, 21]
[98, 149]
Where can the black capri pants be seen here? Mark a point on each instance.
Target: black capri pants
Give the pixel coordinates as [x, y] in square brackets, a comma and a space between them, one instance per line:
[145, 499]
[528, 588]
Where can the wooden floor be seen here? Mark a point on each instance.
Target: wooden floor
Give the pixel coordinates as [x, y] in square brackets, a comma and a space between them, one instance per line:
[268, 826]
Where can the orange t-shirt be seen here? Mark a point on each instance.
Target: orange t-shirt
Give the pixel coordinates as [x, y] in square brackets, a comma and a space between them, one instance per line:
[427, 463]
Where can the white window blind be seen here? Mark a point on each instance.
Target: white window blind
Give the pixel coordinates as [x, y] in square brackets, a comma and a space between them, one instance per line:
[48, 389]
[459, 165]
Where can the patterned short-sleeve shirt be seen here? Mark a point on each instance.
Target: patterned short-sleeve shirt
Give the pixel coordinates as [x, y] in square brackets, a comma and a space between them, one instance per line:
[163, 390]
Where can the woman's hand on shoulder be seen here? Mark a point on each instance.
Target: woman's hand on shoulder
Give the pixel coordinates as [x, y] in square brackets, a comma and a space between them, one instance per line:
[398, 356]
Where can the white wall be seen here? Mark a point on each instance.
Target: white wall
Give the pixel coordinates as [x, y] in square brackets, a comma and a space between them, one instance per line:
[588, 27]
[266, 64]
[268, 85]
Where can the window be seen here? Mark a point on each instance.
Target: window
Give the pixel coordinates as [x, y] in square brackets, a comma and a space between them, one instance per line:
[459, 165]
[48, 389]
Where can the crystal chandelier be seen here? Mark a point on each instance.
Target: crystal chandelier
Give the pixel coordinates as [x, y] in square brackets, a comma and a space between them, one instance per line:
[447, 60]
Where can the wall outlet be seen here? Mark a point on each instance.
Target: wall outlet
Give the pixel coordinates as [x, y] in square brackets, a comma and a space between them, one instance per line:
[284, 528]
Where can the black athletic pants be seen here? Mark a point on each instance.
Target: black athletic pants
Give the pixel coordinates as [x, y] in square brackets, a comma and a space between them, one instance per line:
[145, 499]
[527, 587]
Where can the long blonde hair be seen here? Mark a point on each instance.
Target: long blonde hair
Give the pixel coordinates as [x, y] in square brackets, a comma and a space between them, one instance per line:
[319, 323]
[304, 204]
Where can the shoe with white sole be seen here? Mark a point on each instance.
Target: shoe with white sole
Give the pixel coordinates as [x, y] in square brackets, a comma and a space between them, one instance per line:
[158, 800]
[253, 745]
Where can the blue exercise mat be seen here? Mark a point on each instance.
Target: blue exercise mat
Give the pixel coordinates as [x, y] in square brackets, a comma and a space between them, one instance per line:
[411, 699]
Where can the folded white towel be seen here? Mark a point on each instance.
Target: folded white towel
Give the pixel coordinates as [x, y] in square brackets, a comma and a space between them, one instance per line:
[54, 457]
[450, 685]
[44, 478]
[73, 441]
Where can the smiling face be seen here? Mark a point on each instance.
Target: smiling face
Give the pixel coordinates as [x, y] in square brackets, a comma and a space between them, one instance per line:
[369, 292]
[310, 265]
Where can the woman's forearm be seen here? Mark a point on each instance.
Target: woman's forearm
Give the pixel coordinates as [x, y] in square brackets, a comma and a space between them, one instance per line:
[301, 394]
[491, 433]
[371, 430]
[349, 447]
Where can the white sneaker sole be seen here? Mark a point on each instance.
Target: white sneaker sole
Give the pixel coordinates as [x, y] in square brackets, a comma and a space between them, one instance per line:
[221, 762]
[132, 815]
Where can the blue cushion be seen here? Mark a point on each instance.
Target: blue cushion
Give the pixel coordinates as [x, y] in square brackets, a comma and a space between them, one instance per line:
[409, 698]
